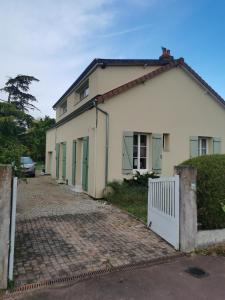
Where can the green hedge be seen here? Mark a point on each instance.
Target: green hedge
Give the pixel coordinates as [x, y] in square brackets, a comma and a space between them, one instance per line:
[210, 190]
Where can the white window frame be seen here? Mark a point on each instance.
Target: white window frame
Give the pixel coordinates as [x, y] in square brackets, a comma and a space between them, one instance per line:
[142, 171]
[63, 107]
[200, 139]
[83, 91]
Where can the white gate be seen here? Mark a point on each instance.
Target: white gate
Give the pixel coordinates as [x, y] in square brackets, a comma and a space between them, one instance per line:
[163, 208]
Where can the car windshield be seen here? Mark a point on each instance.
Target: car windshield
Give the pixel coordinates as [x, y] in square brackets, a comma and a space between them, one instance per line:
[26, 160]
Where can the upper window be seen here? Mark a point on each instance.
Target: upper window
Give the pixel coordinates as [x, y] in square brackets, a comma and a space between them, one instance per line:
[202, 146]
[83, 91]
[63, 108]
[140, 152]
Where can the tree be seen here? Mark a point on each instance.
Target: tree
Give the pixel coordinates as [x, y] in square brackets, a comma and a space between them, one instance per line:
[13, 123]
[14, 119]
[20, 133]
[17, 89]
[35, 137]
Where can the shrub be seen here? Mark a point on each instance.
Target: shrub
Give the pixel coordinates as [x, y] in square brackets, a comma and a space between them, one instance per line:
[210, 190]
[140, 179]
[132, 198]
[10, 153]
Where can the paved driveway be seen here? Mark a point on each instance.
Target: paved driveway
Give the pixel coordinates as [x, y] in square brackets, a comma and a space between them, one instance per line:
[60, 233]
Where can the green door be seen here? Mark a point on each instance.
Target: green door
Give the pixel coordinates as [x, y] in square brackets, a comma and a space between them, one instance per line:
[157, 145]
[50, 162]
[57, 147]
[74, 163]
[85, 164]
[64, 161]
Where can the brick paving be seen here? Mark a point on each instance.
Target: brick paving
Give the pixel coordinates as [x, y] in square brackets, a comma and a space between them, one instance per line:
[42, 196]
[80, 240]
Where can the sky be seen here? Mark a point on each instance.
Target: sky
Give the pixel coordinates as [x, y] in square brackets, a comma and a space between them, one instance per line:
[54, 40]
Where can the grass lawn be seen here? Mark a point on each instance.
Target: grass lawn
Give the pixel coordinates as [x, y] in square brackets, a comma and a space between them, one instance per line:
[130, 198]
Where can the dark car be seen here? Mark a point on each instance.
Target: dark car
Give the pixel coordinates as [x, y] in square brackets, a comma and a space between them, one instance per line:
[28, 166]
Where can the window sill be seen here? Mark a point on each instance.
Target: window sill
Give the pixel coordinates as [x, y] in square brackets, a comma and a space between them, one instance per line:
[141, 171]
[75, 104]
[63, 113]
[83, 98]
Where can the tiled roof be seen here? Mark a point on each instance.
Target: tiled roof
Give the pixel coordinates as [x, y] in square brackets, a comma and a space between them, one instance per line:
[139, 80]
[110, 62]
[160, 70]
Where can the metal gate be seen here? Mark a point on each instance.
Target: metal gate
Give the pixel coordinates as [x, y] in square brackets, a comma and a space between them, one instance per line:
[163, 208]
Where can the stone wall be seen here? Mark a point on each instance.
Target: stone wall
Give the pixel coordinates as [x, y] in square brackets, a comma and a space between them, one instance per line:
[5, 207]
[188, 207]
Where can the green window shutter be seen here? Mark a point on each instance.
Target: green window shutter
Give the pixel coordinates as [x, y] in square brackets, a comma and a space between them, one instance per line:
[64, 160]
[57, 147]
[127, 148]
[157, 147]
[74, 162]
[216, 145]
[193, 146]
[85, 163]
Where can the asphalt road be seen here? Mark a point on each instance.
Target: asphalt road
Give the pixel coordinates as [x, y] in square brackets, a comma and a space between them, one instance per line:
[166, 281]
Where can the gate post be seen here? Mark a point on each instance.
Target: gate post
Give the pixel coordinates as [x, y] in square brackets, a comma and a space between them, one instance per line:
[188, 207]
[5, 207]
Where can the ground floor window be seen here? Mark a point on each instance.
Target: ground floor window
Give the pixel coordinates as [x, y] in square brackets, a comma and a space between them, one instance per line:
[202, 146]
[140, 151]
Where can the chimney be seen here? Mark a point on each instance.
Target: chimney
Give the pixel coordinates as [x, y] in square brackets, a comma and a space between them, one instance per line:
[166, 57]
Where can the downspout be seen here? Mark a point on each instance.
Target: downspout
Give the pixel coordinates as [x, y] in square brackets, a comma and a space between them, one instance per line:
[106, 138]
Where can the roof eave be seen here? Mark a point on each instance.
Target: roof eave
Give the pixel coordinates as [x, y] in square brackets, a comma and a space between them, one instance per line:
[89, 68]
[197, 77]
[109, 62]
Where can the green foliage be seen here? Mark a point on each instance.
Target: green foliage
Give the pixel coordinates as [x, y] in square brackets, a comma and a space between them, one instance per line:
[214, 250]
[140, 179]
[20, 133]
[13, 123]
[17, 89]
[11, 153]
[35, 138]
[11, 284]
[132, 198]
[210, 190]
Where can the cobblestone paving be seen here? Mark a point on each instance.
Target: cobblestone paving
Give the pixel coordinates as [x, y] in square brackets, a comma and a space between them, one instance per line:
[42, 196]
[93, 237]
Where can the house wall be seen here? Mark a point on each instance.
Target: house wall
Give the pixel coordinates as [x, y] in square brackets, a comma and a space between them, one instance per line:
[171, 103]
[101, 81]
[114, 76]
[76, 129]
[50, 148]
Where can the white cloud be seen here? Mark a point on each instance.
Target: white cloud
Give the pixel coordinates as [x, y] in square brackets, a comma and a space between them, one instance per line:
[54, 40]
[125, 31]
[49, 40]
